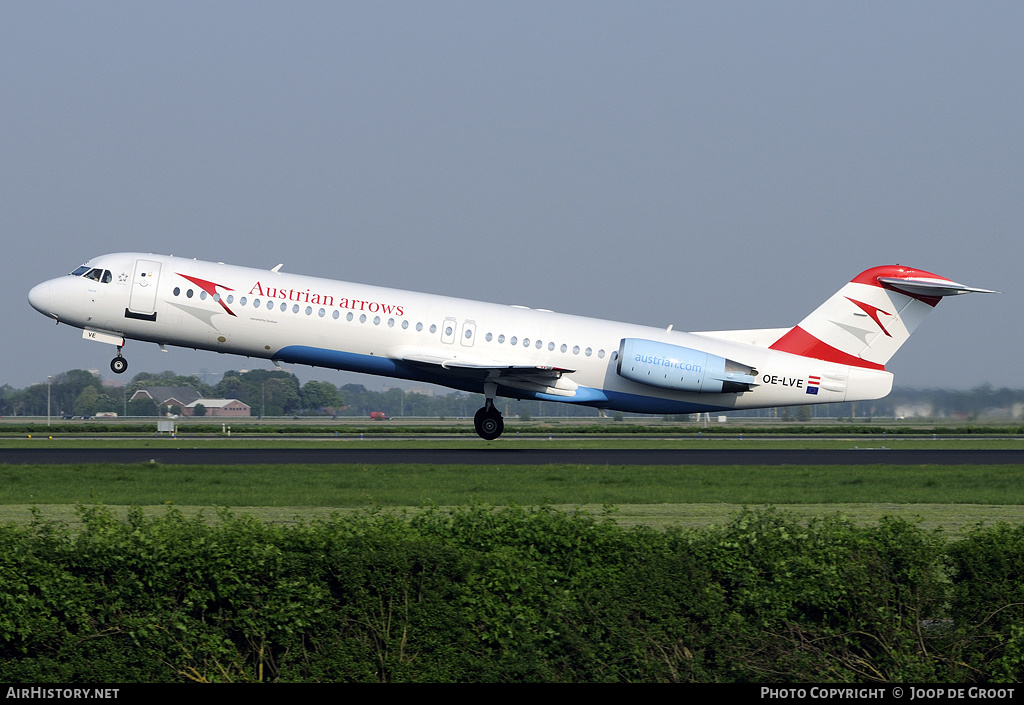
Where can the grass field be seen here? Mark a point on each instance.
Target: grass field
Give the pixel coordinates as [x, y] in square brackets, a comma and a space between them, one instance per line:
[951, 497]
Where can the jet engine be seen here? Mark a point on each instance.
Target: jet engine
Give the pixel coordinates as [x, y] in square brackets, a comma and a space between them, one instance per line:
[684, 369]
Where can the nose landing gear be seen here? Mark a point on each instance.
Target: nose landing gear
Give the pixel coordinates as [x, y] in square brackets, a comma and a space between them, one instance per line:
[118, 365]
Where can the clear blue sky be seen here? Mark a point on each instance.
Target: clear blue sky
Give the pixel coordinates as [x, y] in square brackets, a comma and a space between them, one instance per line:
[708, 165]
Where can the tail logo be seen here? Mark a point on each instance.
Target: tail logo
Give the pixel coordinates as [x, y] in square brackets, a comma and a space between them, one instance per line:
[872, 311]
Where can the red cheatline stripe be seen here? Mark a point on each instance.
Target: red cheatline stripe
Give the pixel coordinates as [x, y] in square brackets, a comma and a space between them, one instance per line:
[799, 342]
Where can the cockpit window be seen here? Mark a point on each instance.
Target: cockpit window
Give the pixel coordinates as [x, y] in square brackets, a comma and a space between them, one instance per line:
[102, 276]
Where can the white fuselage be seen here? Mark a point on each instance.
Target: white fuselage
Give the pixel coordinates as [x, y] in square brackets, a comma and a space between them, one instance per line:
[321, 322]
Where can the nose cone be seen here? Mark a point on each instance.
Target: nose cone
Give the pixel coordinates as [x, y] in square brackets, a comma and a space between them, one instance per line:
[39, 297]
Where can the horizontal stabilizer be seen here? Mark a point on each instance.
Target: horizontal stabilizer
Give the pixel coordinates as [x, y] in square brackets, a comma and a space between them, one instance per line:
[922, 286]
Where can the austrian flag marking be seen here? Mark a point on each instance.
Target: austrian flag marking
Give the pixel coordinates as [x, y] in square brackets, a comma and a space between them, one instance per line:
[813, 382]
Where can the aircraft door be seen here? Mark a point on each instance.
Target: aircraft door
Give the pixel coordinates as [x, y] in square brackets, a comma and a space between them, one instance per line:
[142, 301]
[468, 333]
[448, 330]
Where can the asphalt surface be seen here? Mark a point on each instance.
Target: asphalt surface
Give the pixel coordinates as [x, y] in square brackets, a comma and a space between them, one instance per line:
[506, 456]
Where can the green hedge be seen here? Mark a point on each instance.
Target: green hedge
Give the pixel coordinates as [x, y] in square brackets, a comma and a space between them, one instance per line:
[509, 595]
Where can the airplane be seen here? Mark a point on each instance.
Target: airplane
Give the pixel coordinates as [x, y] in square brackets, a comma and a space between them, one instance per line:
[836, 354]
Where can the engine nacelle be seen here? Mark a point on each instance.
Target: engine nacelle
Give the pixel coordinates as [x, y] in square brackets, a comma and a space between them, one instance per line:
[685, 369]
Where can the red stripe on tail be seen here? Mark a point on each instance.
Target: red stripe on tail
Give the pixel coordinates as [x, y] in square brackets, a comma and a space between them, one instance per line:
[799, 342]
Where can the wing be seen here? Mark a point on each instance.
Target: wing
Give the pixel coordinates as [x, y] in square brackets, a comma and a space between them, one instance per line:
[528, 378]
[762, 337]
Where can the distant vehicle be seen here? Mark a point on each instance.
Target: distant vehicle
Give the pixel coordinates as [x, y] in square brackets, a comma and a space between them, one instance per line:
[106, 414]
[835, 354]
[378, 416]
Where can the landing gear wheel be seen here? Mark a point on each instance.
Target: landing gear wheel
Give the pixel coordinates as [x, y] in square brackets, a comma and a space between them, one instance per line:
[488, 422]
[118, 365]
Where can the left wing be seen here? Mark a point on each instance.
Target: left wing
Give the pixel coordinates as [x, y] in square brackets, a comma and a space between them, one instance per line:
[528, 378]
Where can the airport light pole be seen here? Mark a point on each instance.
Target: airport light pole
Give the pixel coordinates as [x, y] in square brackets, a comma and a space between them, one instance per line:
[48, 379]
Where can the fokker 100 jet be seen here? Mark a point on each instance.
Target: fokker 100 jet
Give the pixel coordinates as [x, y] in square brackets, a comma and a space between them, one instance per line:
[837, 353]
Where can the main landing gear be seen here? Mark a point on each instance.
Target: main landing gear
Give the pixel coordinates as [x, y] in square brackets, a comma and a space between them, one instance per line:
[487, 421]
[118, 365]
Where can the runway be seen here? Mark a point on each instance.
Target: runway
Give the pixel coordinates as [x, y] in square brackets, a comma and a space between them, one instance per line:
[505, 456]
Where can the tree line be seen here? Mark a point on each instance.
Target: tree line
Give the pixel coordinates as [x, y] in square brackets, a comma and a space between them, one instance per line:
[279, 393]
[82, 393]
